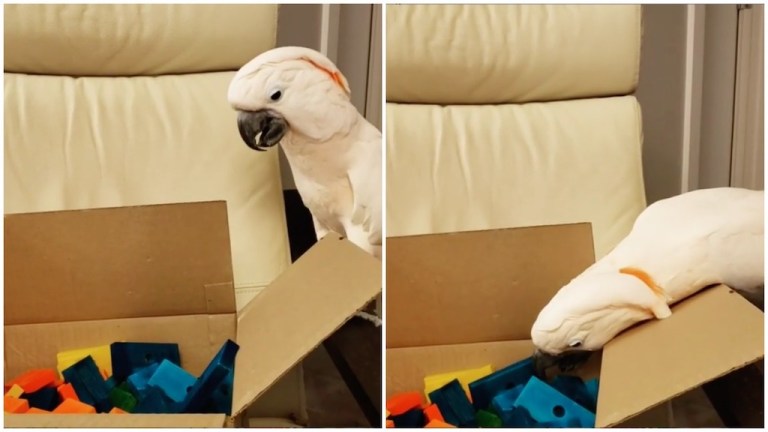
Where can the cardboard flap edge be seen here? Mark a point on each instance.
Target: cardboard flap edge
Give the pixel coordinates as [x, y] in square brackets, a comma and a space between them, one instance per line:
[704, 339]
[315, 296]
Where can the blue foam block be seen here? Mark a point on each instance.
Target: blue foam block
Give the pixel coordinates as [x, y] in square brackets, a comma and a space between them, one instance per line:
[153, 401]
[138, 381]
[549, 406]
[410, 419]
[89, 384]
[454, 405]
[220, 400]
[199, 396]
[484, 389]
[47, 398]
[592, 386]
[171, 380]
[128, 357]
[511, 416]
[575, 389]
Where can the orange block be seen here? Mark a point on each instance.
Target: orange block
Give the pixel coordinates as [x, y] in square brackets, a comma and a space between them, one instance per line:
[56, 383]
[432, 412]
[66, 391]
[439, 424]
[71, 406]
[34, 380]
[116, 410]
[13, 405]
[34, 410]
[390, 424]
[402, 402]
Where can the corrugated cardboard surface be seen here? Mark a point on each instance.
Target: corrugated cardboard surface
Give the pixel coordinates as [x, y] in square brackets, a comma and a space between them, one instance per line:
[300, 309]
[478, 286]
[708, 335]
[118, 263]
[109, 421]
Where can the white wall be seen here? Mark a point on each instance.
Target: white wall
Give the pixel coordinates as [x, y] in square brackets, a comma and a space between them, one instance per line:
[688, 73]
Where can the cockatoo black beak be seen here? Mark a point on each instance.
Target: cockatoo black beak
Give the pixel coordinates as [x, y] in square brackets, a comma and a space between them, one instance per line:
[261, 129]
[566, 361]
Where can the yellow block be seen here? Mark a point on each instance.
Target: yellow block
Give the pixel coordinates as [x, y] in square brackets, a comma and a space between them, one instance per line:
[15, 391]
[101, 355]
[466, 376]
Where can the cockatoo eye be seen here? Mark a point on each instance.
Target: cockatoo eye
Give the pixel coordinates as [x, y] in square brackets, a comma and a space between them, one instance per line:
[575, 344]
[275, 94]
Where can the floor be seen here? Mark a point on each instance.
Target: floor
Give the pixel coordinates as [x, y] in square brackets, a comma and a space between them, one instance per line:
[329, 402]
[693, 410]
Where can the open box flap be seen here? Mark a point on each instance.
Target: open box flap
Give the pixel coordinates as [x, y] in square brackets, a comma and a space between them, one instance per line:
[468, 287]
[114, 421]
[707, 336]
[127, 262]
[300, 309]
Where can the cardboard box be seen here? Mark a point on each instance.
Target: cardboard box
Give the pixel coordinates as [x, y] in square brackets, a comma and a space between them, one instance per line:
[163, 273]
[462, 300]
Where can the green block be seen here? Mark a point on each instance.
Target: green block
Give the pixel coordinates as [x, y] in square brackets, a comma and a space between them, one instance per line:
[122, 399]
[487, 419]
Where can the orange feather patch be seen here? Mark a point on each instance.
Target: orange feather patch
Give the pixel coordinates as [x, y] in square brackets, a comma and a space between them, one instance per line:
[645, 277]
[335, 75]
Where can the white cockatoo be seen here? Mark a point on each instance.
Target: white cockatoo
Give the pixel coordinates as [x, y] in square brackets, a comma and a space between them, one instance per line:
[676, 247]
[297, 97]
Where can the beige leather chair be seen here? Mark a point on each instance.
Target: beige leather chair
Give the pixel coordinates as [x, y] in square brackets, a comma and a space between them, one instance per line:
[504, 116]
[118, 105]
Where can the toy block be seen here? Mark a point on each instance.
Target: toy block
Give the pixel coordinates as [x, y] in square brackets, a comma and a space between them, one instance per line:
[34, 380]
[217, 370]
[390, 424]
[71, 406]
[547, 405]
[504, 401]
[518, 418]
[127, 357]
[117, 410]
[432, 412]
[37, 411]
[154, 401]
[101, 354]
[413, 418]
[46, 398]
[220, 401]
[484, 389]
[592, 386]
[454, 405]
[172, 380]
[466, 376]
[122, 399]
[138, 381]
[487, 419]
[15, 405]
[15, 391]
[575, 389]
[439, 424]
[56, 383]
[66, 391]
[403, 402]
[90, 387]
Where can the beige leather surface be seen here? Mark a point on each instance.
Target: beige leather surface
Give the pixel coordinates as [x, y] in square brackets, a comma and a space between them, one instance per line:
[134, 39]
[459, 54]
[461, 168]
[102, 142]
